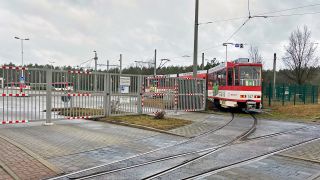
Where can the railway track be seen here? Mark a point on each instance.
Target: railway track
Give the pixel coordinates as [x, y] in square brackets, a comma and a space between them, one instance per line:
[248, 160]
[74, 175]
[204, 152]
[238, 138]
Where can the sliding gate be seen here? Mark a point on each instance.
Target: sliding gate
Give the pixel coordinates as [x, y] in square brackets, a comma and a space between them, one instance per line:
[30, 94]
[175, 94]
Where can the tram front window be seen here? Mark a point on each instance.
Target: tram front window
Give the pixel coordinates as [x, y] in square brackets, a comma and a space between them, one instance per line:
[250, 76]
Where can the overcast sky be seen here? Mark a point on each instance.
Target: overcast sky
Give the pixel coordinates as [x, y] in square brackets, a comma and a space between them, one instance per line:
[67, 31]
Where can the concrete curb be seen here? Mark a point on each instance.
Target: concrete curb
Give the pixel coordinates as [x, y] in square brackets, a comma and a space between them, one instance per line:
[144, 127]
[32, 154]
[9, 171]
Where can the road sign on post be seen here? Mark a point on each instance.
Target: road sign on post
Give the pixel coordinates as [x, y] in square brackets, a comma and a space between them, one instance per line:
[65, 99]
[21, 79]
[124, 88]
[124, 84]
[238, 45]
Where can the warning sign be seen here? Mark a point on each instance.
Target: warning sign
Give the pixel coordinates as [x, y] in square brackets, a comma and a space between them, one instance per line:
[124, 81]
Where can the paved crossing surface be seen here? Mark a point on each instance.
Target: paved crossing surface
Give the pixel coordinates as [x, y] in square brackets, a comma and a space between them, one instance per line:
[77, 144]
[19, 164]
[302, 163]
[72, 145]
[308, 152]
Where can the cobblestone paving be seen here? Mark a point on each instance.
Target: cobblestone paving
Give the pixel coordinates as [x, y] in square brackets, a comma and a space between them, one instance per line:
[309, 152]
[265, 127]
[202, 123]
[237, 153]
[4, 175]
[21, 163]
[110, 154]
[274, 167]
[80, 144]
[60, 140]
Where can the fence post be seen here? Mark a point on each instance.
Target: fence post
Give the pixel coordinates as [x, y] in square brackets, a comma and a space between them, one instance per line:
[140, 94]
[270, 94]
[312, 94]
[107, 96]
[304, 94]
[316, 94]
[262, 91]
[289, 93]
[176, 92]
[283, 94]
[205, 91]
[48, 97]
[294, 95]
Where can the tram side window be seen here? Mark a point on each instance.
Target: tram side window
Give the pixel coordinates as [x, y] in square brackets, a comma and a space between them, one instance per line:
[222, 78]
[230, 77]
[250, 76]
[236, 76]
[212, 79]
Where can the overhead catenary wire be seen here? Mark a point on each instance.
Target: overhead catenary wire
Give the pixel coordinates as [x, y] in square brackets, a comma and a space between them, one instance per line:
[85, 62]
[297, 14]
[222, 20]
[243, 24]
[289, 9]
[264, 15]
[261, 15]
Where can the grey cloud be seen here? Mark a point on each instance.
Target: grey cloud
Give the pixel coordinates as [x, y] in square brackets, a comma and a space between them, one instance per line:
[68, 30]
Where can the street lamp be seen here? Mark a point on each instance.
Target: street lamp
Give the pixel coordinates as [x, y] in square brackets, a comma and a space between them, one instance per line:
[22, 39]
[226, 45]
[163, 62]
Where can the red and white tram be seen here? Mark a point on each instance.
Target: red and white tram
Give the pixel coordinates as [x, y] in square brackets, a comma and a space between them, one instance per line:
[236, 84]
[231, 84]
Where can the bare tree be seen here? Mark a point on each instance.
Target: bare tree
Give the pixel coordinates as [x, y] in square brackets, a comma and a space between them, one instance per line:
[300, 58]
[255, 55]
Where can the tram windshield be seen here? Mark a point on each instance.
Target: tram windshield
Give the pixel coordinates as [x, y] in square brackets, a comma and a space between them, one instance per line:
[250, 76]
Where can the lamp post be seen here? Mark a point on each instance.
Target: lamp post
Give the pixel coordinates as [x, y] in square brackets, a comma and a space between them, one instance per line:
[22, 39]
[226, 45]
[163, 62]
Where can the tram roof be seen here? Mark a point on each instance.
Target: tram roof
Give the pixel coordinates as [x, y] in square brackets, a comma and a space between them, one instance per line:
[224, 65]
[191, 73]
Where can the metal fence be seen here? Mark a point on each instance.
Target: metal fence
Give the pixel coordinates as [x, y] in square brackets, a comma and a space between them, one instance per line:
[45, 94]
[284, 94]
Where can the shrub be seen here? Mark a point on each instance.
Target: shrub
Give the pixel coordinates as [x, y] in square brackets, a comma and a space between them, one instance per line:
[159, 114]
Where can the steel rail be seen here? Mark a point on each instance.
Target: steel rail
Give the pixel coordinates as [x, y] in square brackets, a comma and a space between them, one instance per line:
[207, 151]
[262, 156]
[238, 138]
[149, 152]
[241, 137]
